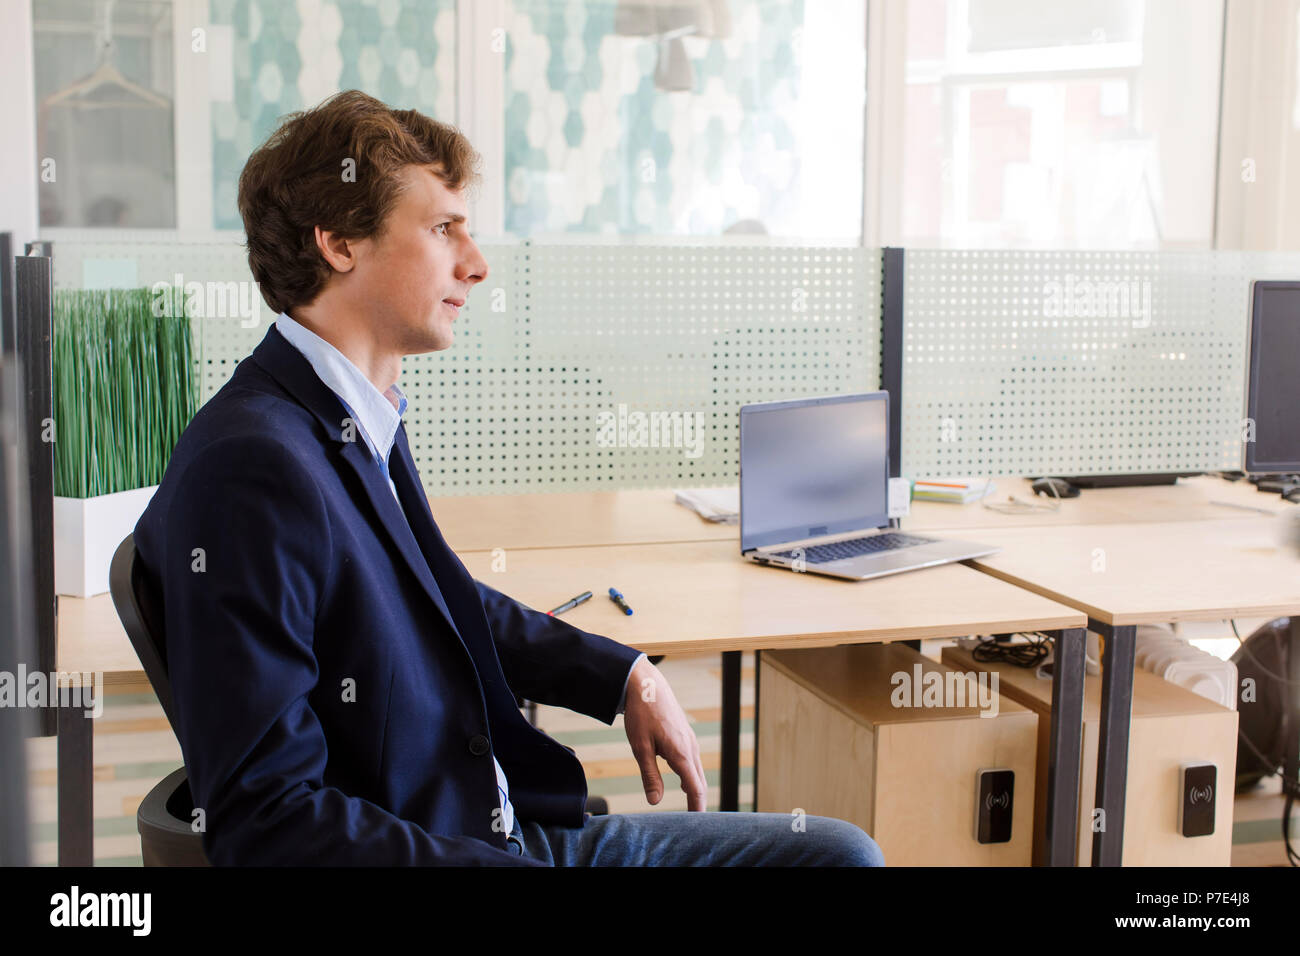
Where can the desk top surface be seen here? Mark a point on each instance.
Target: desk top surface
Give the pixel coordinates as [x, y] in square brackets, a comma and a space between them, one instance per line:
[1159, 571]
[652, 516]
[702, 596]
[91, 639]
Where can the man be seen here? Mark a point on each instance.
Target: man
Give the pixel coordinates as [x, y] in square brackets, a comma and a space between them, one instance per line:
[344, 691]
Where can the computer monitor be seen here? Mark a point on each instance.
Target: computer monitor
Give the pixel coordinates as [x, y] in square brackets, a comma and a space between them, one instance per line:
[1272, 384]
[813, 467]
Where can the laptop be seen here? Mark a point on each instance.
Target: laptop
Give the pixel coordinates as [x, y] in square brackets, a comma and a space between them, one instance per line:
[814, 491]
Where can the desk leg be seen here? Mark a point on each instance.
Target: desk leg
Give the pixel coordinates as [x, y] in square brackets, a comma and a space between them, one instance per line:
[730, 796]
[758, 670]
[76, 788]
[1112, 743]
[1291, 760]
[1065, 741]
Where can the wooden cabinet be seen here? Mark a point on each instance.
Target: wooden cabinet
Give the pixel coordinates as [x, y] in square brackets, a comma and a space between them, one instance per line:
[831, 742]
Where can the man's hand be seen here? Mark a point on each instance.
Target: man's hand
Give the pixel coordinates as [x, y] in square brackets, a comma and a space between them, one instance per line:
[657, 726]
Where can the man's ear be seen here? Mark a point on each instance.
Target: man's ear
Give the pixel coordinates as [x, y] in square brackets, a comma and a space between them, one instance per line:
[340, 253]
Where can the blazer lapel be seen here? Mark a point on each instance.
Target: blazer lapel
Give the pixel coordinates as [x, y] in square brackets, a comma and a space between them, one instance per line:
[462, 593]
[381, 498]
[288, 366]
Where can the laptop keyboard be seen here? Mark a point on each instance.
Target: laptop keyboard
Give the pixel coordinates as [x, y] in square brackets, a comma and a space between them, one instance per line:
[839, 550]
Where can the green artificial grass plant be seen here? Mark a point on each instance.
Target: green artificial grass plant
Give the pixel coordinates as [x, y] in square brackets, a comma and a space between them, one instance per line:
[124, 389]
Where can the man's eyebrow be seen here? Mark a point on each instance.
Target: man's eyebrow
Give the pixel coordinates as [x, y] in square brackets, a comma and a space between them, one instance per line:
[453, 216]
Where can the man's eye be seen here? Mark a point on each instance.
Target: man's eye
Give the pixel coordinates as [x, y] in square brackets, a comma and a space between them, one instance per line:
[441, 228]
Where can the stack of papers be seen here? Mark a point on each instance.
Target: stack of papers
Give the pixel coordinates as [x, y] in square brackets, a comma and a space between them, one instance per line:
[712, 504]
[957, 491]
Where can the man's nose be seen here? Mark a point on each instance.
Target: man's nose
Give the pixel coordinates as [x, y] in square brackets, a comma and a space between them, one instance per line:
[473, 268]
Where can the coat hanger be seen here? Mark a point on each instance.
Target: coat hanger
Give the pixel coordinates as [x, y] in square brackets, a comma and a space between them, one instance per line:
[106, 74]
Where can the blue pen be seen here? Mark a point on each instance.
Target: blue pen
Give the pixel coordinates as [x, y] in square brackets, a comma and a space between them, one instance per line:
[618, 599]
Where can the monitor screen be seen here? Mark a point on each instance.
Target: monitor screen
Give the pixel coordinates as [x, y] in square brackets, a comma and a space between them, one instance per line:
[1273, 391]
[813, 467]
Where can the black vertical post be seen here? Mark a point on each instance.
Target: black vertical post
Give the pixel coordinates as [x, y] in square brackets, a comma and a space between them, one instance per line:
[729, 797]
[15, 426]
[758, 667]
[35, 347]
[891, 350]
[1291, 756]
[76, 775]
[1117, 664]
[13, 781]
[1064, 749]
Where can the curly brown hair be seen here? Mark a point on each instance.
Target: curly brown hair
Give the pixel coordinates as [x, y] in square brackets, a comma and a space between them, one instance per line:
[297, 180]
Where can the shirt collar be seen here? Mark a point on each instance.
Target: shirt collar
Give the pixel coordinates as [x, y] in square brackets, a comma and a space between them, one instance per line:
[377, 414]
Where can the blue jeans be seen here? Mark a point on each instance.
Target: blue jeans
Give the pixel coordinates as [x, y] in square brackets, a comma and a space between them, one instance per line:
[698, 839]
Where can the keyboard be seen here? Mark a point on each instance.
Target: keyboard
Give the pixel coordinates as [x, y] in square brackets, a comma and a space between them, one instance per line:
[839, 550]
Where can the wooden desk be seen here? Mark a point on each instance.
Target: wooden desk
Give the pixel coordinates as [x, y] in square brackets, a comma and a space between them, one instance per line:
[1122, 575]
[91, 637]
[1156, 572]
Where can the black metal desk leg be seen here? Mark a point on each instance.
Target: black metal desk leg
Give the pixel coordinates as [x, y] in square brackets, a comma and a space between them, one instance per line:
[1064, 743]
[758, 669]
[1112, 744]
[1291, 756]
[730, 796]
[75, 786]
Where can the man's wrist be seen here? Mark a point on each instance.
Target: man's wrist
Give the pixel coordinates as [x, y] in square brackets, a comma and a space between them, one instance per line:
[622, 704]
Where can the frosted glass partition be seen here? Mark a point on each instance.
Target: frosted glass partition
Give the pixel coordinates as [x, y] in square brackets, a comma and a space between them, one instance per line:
[576, 365]
[616, 365]
[1035, 362]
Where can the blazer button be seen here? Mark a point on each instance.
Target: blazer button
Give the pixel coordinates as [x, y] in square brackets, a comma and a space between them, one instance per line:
[478, 745]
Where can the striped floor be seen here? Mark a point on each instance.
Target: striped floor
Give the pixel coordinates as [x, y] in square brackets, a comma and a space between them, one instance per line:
[135, 748]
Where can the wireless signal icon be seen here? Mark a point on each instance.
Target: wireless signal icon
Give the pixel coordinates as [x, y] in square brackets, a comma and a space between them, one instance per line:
[1001, 800]
[1201, 794]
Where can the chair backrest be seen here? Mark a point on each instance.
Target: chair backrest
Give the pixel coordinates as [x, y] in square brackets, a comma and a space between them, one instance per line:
[163, 818]
[138, 611]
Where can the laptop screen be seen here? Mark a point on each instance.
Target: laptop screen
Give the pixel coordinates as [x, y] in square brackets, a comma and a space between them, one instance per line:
[813, 467]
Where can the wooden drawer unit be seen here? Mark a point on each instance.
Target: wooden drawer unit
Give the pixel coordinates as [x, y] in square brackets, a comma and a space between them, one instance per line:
[832, 742]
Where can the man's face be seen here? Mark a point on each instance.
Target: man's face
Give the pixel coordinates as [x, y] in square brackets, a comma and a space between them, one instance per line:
[417, 274]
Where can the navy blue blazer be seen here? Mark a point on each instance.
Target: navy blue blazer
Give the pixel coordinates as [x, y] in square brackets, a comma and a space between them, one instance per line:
[340, 680]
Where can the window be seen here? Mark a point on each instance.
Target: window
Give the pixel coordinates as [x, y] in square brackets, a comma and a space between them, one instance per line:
[105, 135]
[671, 117]
[1086, 125]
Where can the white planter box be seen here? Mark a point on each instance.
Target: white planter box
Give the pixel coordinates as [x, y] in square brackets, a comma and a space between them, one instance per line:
[87, 532]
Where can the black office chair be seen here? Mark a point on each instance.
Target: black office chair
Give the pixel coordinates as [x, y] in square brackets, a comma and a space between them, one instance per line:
[165, 816]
